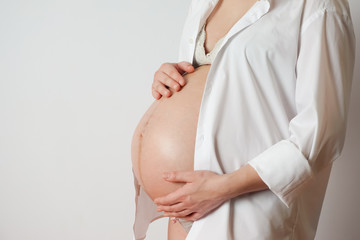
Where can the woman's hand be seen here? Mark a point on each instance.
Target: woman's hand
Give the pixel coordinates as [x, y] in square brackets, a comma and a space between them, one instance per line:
[169, 75]
[203, 192]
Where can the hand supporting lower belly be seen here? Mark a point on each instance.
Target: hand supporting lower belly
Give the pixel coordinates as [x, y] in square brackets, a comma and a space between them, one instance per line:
[203, 191]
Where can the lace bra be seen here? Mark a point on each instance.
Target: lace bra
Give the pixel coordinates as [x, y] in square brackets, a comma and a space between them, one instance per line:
[200, 57]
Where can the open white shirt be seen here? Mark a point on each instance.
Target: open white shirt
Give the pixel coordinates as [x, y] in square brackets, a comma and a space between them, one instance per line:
[276, 97]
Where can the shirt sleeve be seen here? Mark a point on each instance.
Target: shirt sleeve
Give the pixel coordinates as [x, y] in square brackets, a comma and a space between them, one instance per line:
[317, 132]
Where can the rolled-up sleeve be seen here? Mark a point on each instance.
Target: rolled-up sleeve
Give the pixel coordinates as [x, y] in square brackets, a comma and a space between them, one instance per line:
[324, 73]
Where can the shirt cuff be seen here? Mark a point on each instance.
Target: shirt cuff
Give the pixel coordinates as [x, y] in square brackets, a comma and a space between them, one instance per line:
[284, 169]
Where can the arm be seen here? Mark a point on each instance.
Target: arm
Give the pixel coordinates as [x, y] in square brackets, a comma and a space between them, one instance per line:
[317, 132]
[169, 75]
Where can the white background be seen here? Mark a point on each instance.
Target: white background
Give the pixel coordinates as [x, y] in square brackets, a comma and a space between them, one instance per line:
[75, 79]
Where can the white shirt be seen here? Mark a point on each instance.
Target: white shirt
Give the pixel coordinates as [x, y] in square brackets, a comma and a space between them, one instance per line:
[276, 97]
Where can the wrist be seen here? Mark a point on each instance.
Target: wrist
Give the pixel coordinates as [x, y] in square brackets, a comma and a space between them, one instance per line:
[232, 185]
[241, 181]
[228, 189]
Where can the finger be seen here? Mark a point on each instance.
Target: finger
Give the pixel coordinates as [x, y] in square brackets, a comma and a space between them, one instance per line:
[193, 216]
[164, 79]
[184, 67]
[161, 89]
[174, 72]
[172, 79]
[170, 199]
[175, 176]
[173, 208]
[156, 94]
[181, 214]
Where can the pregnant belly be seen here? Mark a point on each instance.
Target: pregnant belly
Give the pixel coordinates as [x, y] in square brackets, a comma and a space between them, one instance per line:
[164, 139]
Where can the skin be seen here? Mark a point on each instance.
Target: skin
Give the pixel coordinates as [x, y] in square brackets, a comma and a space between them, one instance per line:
[204, 191]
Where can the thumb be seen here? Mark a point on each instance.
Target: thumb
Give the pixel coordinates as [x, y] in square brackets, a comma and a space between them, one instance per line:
[184, 177]
[185, 66]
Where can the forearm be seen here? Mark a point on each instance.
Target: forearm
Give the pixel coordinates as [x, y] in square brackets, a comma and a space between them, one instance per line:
[241, 181]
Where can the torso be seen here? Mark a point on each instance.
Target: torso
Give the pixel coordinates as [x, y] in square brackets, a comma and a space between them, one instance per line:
[225, 14]
[164, 139]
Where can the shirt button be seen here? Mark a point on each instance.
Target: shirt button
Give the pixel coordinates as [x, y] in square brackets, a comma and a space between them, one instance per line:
[201, 138]
[191, 41]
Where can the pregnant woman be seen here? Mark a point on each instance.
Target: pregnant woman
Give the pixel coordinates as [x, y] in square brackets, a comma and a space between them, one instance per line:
[240, 140]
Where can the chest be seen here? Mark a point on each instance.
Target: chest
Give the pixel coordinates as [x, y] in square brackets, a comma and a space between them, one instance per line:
[222, 18]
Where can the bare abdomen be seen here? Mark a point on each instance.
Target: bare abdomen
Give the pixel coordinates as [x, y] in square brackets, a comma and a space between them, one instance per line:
[164, 139]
